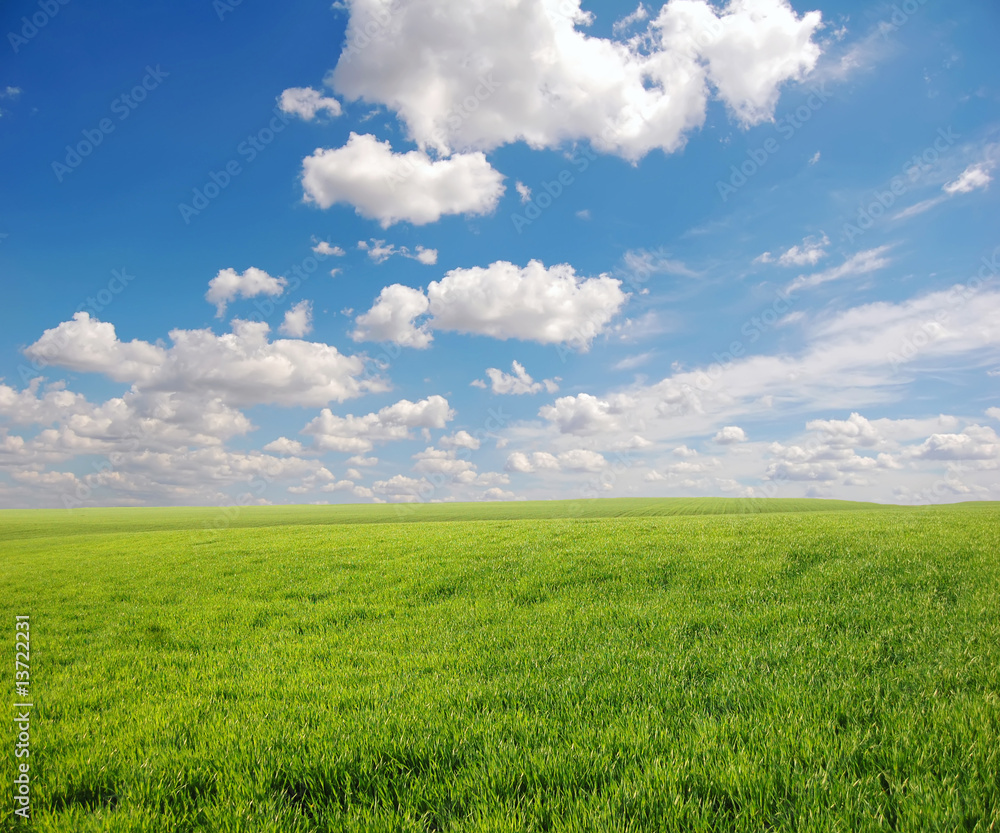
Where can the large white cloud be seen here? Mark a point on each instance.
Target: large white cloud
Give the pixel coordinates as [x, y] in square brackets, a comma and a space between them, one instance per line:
[549, 305]
[394, 187]
[241, 367]
[357, 434]
[87, 345]
[476, 74]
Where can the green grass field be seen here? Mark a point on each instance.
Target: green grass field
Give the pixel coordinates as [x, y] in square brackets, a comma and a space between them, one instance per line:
[595, 665]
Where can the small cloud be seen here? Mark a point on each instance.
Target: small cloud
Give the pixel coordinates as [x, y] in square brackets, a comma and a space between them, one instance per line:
[730, 435]
[971, 179]
[305, 102]
[519, 382]
[862, 263]
[229, 285]
[324, 248]
[298, 320]
[812, 250]
[583, 214]
[379, 251]
[10, 92]
[632, 362]
[815, 158]
[637, 16]
[524, 191]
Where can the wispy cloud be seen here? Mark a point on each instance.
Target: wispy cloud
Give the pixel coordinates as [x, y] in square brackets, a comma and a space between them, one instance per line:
[862, 263]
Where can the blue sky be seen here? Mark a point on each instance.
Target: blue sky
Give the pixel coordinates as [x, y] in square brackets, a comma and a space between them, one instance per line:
[424, 250]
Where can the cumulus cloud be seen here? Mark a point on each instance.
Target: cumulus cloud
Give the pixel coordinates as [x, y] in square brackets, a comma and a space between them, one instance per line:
[853, 431]
[298, 320]
[87, 345]
[574, 460]
[534, 303]
[324, 248]
[391, 318]
[305, 102]
[585, 414]
[730, 435]
[358, 434]
[241, 367]
[539, 78]
[518, 382]
[283, 445]
[403, 489]
[394, 187]
[229, 285]
[460, 439]
[976, 442]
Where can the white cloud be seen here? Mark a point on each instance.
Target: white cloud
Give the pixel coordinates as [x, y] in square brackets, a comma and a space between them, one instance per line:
[645, 262]
[391, 318]
[460, 439]
[523, 191]
[976, 442]
[534, 303]
[87, 345]
[641, 13]
[403, 489]
[811, 251]
[358, 434]
[862, 263]
[395, 187]
[228, 285]
[993, 413]
[306, 102]
[972, 178]
[298, 320]
[574, 460]
[585, 414]
[241, 367]
[380, 251]
[537, 77]
[864, 355]
[283, 445]
[324, 248]
[853, 431]
[439, 461]
[731, 435]
[519, 382]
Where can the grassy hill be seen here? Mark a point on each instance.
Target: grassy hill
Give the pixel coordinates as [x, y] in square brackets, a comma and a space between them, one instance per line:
[781, 669]
[44, 522]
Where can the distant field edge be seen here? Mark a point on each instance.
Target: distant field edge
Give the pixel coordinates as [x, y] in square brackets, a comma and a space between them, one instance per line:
[32, 523]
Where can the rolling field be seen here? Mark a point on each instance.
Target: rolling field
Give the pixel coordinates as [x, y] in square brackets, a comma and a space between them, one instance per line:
[596, 665]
